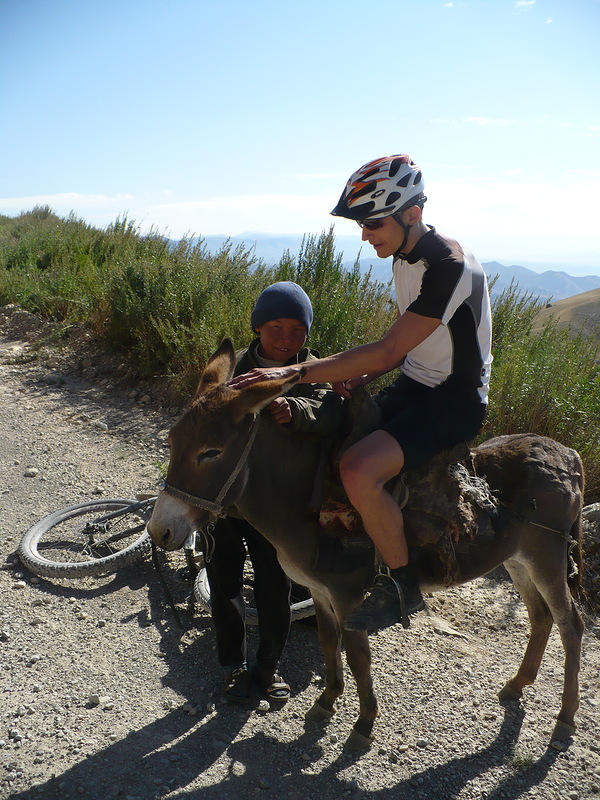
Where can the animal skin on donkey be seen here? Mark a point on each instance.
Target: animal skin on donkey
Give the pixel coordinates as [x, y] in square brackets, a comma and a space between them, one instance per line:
[218, 459]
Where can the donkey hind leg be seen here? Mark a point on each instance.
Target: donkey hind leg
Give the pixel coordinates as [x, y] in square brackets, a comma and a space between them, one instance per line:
[540, 620]
[330, 639]
[548, 599]
[358, 655]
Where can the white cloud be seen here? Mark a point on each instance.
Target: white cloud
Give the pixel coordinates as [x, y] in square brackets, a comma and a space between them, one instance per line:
[63, 200]
[488, 121]
[549, 20]
[512, 219]
[507, 219]
[524, 3]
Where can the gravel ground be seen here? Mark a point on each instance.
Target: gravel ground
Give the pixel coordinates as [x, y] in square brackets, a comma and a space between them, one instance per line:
[103, 696]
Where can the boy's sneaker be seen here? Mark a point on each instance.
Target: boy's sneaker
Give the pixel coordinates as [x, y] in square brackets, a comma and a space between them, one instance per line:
[390, 600]
[237, 684]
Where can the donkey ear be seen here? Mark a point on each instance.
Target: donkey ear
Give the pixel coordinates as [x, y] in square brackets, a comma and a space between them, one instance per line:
[219, 368]
[255, 397]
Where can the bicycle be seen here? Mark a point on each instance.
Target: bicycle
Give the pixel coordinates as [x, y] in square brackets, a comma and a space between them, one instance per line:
[101, 536]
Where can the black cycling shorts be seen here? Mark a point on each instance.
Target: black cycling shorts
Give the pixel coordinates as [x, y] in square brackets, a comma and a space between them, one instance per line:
[424, 420]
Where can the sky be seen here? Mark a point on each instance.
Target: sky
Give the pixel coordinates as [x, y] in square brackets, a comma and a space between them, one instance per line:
[201, 117]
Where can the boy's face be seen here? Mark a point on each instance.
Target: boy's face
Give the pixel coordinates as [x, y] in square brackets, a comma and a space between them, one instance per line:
[281, 339]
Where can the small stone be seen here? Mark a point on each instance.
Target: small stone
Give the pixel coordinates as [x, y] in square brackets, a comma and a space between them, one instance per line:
[20, 584]
[31, 472]
[211, 708]
[94, 699]
[264, 705]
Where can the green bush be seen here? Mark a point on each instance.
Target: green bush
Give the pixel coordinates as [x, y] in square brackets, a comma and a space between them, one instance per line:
[167, 305]
[546, 383]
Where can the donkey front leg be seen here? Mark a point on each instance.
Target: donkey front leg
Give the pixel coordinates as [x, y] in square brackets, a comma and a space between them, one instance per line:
[331, 644]
[358, 654]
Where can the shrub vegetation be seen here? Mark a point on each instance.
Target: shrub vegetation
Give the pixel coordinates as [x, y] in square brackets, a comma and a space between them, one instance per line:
[166, 305]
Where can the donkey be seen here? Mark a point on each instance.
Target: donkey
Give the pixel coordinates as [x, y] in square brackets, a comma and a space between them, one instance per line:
[220, 457]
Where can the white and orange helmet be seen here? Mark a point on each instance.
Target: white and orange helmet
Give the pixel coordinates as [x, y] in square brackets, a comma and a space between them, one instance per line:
[381, 188]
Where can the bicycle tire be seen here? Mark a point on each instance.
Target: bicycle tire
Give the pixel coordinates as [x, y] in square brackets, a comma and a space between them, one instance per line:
[47, 556]
[300, 609]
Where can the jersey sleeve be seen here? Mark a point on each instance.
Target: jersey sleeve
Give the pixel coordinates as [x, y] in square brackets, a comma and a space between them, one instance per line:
[446, 284]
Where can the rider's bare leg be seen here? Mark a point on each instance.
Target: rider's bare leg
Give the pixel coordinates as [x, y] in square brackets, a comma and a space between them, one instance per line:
[365, 468]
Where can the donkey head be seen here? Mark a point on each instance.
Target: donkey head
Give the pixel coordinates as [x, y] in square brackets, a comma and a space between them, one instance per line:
[208, 445]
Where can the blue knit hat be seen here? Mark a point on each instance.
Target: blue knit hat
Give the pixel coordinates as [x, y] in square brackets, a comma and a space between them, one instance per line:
[283, 299]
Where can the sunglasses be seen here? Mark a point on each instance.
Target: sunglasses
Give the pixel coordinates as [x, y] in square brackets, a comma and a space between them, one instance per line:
[370, 224]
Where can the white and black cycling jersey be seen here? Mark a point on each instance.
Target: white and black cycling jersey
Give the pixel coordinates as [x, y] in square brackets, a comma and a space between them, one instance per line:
[442, 280]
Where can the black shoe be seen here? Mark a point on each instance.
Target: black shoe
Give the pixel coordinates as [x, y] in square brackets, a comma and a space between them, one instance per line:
[390, 600]
[237, 685]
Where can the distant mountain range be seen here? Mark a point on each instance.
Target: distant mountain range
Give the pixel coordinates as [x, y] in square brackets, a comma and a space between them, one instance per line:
[550, 284]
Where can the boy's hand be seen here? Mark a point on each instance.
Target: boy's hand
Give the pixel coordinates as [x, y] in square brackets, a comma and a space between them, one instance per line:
[280, 410]
[344, 387]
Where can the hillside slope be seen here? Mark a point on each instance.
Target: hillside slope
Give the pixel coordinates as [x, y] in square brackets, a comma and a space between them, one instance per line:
[581, 312]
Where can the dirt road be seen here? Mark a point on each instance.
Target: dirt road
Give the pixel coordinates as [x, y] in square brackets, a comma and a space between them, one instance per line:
[104, 697]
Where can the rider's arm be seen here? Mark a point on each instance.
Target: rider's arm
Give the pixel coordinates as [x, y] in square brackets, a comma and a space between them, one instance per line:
[407, 332]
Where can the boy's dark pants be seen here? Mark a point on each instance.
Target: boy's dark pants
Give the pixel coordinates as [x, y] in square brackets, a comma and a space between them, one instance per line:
[271, 595]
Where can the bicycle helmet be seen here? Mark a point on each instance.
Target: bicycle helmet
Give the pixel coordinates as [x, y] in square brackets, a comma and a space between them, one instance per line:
[381, 188]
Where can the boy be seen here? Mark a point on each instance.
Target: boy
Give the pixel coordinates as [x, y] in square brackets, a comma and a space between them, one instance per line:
[441, 340]
[281, 318]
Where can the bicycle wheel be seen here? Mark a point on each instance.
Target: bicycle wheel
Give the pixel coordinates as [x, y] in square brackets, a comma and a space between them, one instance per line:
[301, 603]
[87, 539]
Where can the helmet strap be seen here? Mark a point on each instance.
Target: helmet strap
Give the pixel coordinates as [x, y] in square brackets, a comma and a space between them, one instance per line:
[406, 228]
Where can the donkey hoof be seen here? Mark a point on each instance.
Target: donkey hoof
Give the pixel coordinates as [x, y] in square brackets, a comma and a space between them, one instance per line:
[508, 694]
[318, 713]
[563, 731]
[357, 743]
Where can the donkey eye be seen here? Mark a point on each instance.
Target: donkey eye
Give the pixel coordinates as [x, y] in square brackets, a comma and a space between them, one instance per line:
[208, 455]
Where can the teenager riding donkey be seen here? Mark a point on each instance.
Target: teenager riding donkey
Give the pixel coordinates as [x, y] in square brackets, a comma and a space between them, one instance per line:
[441, 341]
